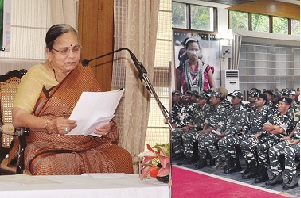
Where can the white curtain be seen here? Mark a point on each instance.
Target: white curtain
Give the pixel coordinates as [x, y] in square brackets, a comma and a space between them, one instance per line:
[30, 21]
[236, 44]
[136, 24]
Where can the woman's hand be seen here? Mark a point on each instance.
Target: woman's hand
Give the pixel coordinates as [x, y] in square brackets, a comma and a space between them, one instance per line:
[104, 129]
[61, 125]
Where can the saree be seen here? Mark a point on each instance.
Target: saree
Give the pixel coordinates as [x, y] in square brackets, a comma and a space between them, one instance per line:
[53, 154]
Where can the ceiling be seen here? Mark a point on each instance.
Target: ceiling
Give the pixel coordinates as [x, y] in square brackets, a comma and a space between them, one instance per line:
[239, 2]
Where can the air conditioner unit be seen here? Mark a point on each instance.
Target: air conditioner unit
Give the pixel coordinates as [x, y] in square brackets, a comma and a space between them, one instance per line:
[232, 80]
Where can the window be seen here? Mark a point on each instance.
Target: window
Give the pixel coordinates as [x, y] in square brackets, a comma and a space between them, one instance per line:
[263, 23]
[201, 18]
[295, 27]
[260, 23]
[280, 25]
[179, 19]
[194, 17]
[238, 20]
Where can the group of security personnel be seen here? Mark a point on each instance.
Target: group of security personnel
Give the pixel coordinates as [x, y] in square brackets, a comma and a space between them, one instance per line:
[264, 128]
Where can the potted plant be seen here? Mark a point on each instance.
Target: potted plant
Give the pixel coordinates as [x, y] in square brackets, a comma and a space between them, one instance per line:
[155, 162]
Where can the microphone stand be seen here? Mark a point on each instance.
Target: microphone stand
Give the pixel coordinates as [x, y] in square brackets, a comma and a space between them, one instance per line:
[142, 74]
[144, 78]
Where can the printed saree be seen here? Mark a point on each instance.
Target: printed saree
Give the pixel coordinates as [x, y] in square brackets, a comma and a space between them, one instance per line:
[51, 154]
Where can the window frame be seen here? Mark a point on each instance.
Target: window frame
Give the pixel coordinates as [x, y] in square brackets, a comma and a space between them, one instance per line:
[250, 28]
[188, 17]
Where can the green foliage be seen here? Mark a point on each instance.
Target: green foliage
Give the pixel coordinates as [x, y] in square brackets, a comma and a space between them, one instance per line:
[178, 15]
[200, 18]
[295, 27]
[280, 25]
[260, 23]
[238, 20]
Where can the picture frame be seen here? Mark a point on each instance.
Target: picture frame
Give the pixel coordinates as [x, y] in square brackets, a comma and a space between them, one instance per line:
[5, 23]
[1, 22]
[210, 51]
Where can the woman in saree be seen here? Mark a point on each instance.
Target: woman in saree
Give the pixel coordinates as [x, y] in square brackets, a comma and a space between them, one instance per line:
[44, 101]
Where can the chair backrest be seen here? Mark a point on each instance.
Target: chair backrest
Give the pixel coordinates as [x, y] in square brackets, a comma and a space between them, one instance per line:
[8, 90]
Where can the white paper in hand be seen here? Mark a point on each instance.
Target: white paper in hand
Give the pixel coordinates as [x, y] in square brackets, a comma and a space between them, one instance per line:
[94, 109]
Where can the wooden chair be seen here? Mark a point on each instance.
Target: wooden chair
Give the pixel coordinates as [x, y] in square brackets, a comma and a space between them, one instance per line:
[8, 88]
[9, 135]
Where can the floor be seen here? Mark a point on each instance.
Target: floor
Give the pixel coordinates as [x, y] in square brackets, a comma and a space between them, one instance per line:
[238, 177]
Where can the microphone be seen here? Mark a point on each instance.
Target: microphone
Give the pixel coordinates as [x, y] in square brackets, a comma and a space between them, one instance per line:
[143, 77]
[85, 62]
[141, 69]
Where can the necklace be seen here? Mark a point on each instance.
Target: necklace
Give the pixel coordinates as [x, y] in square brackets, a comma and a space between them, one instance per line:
[194, 79]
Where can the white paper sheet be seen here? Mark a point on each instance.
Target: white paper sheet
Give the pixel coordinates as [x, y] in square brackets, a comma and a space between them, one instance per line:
[94, 109]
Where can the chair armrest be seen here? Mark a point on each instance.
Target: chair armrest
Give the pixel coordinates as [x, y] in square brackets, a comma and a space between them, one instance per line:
[19, 148]
[9, 129]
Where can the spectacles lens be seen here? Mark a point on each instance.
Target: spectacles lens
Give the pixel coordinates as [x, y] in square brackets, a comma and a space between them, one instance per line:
[76, 49]
[64, 51]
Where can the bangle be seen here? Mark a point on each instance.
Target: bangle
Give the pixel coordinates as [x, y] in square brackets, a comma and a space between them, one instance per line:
[46, 125]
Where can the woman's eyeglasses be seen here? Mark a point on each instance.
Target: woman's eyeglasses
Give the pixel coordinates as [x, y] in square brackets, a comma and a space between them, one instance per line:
[66, 50]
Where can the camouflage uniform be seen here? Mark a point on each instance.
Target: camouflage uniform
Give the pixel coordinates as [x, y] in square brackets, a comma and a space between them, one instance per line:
[206, 141]
[191, 136]
[226, 103]
[268, 140]
[256, 121]
[181, 118]
[237, 123]
[290, 151]
[175, 113]
[249, 107]
[270, 104]
[294, 109]
[199, 116]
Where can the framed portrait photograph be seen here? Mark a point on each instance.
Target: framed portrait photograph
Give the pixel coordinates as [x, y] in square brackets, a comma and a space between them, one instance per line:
[208, 61]
[5, 22]
[1, 22]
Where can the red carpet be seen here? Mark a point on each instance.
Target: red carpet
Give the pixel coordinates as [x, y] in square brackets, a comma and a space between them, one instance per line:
[186, 183]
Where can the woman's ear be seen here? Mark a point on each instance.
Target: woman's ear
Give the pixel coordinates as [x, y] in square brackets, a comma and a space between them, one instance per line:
[49, 54]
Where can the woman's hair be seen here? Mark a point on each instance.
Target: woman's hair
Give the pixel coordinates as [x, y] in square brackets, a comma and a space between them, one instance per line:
[56, 31]
[187, 41]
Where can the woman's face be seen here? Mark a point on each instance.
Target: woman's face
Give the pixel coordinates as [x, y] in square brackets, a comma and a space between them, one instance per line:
[65, 54]
[193, 51]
